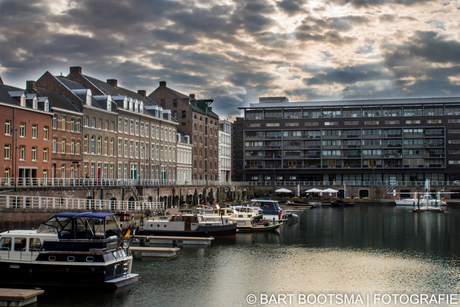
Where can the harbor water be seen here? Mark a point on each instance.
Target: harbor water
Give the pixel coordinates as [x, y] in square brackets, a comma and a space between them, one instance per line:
[368, 255]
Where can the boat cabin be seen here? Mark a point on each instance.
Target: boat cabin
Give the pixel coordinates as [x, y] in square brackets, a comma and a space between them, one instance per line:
[271, 208]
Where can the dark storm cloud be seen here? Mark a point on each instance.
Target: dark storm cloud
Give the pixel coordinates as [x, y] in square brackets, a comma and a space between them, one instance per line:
[371, 3]
[348, 75]
[228, 105]
[174, 37]
[117, 16]
[329, 29]
[245, 78]
[424, 46]
[292, 7]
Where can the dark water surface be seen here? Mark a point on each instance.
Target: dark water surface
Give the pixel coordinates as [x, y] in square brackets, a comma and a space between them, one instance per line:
[367, 252]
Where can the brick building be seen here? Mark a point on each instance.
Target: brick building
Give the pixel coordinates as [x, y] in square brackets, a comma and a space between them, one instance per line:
[146, 134]
[195, 118]
[26, 120]
[65, 133]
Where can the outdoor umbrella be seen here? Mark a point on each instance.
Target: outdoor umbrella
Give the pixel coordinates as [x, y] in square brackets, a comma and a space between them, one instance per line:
[314, 190]
[195, 198]
[283, 190]
[329, 190]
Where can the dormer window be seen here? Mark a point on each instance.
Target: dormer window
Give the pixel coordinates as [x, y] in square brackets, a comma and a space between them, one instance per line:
[23, 100]
[136, 106]
[141, 107]
[35, 103]
[88, 97]
[109, 103]
[130, 105]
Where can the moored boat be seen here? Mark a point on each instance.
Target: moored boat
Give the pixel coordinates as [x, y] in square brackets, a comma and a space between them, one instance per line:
[341, 203]
[70, 249]
[270, 208]
[188, 225]
[254, 225]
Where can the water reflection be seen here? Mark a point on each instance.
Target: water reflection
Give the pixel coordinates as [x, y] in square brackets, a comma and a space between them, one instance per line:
[361, 250]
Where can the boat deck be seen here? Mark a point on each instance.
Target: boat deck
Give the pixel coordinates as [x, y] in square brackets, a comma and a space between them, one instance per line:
[176, 240]
[145, 251]
[18, 297]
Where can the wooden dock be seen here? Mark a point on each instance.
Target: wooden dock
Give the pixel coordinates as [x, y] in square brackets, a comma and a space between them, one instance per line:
[175, 241]
[18, 297]
[145, 251]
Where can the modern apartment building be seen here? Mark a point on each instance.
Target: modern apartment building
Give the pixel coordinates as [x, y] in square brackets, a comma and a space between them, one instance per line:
[238, 150]
[225, 151]
[196, 119]
[410, 139]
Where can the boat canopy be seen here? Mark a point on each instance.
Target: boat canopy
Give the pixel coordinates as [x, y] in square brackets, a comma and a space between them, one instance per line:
[90, 215]
[76, 225]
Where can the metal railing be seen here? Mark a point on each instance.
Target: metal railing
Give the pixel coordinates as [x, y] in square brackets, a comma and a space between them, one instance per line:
[41, 202]
[9, 183]
[94, 182]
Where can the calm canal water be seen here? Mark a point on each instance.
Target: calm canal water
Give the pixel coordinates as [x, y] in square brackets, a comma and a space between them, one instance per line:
[364, 255]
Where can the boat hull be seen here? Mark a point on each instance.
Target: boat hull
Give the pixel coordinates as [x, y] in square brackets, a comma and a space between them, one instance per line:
[63, 275]
[202, 231]
[342, 204]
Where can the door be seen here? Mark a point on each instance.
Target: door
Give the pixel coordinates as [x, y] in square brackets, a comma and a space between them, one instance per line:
[188, 223]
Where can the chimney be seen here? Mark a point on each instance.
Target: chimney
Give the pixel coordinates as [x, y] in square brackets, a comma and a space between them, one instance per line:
[192, 96]
[142, 92]
[75, 70]
[112, 82]
[162, 83]
[30, 85]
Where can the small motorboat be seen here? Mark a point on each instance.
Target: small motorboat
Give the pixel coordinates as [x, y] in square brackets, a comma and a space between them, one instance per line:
[341, 203]
[251, 224]
[188, 225]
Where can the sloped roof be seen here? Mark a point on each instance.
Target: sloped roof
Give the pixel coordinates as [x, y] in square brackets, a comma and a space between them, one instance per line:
[57, 100]
[5, 95]
[108, 89]
[72, 85]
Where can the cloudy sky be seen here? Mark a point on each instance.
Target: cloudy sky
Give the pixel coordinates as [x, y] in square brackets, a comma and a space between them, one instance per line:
[236, 51]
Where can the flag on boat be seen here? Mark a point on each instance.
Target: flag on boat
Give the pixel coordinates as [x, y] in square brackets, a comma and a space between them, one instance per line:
[128, 232]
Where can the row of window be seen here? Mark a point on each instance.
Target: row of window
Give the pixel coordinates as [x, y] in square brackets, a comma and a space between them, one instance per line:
[205, 141]
[132, 127]
[75, 125]
[357, 112]
[402, 163]
[355, 133]
[348, 123]
[22, 153]
[22, 130]
[205, 130]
